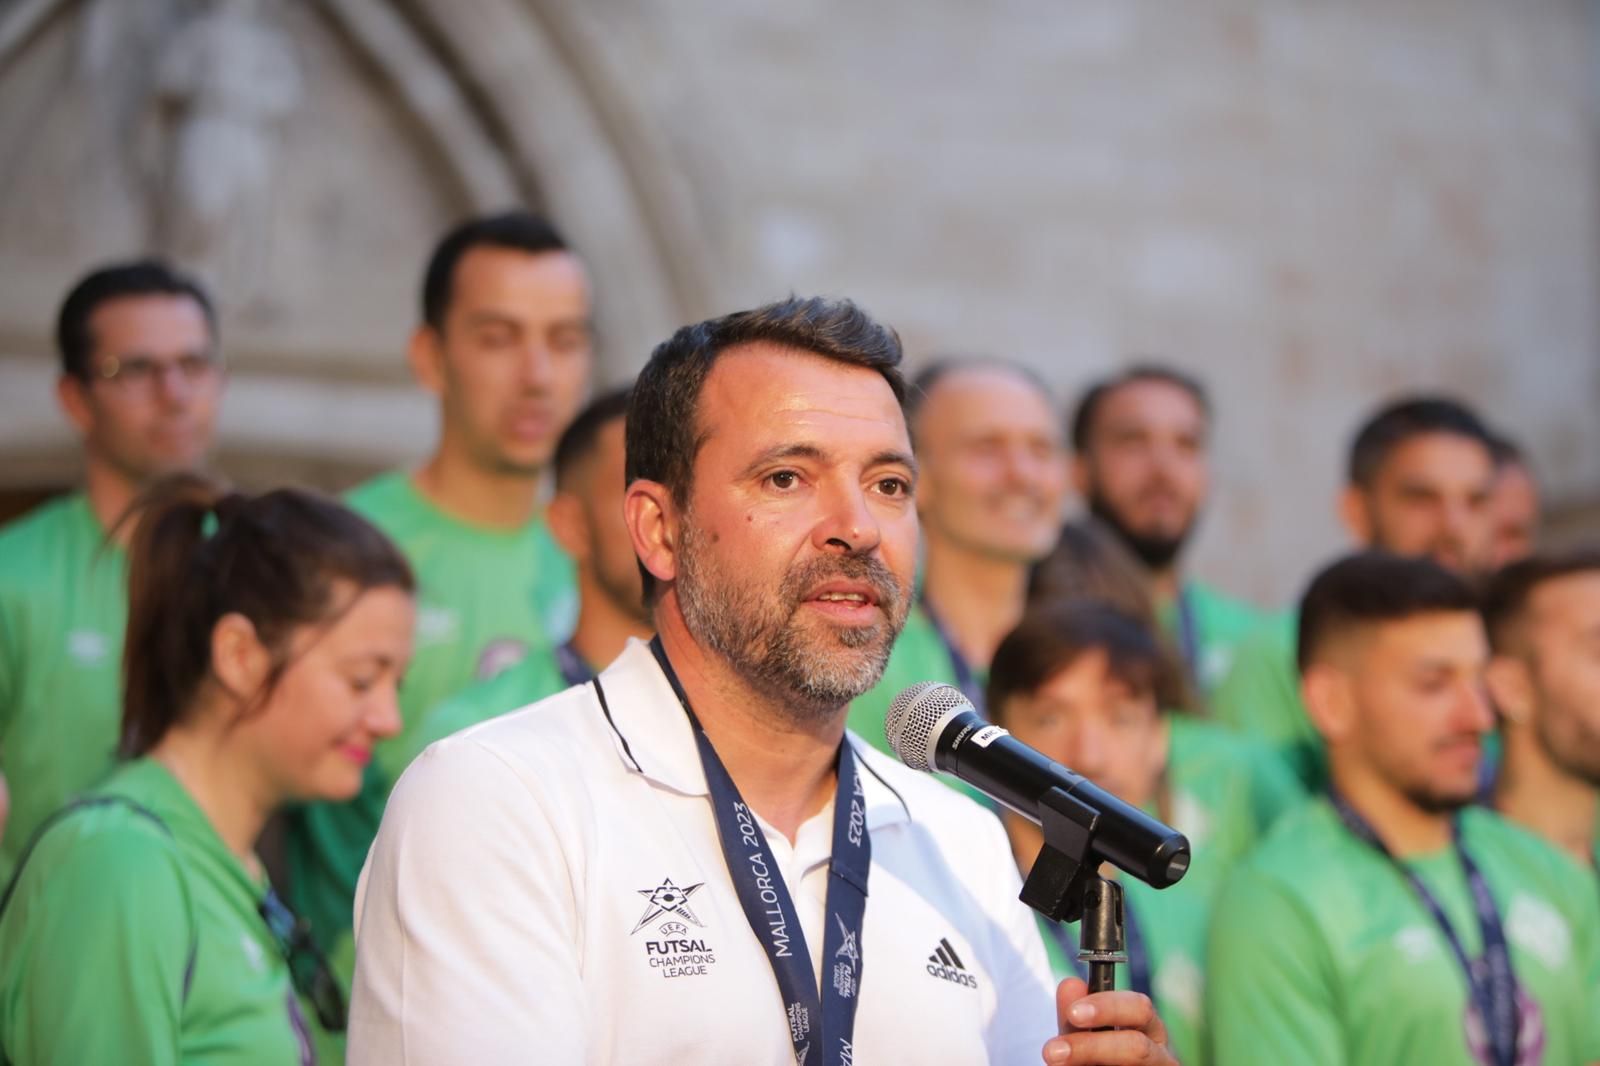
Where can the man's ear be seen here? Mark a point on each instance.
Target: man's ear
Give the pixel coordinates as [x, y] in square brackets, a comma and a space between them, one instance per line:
[569, 525]
[72, 393]
[1330, 704]
[425, 353]
[653, 526]
[1356, 514]
[239, 661]
[1511, 689]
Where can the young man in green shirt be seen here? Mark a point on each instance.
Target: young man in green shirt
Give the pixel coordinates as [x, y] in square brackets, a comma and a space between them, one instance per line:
[141, 382]
[1419, 482]
[990, 496]
[1543, 616]
[1390, 922]
[1084, 683]
[1139, 461]
[505, 343]
[586, 519]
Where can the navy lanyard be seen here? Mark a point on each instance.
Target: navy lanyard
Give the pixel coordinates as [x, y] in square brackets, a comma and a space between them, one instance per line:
[966, 680]
[574, 671]
[828, 1019]
[1133, 940]
[1491, 981]
[1188, 635]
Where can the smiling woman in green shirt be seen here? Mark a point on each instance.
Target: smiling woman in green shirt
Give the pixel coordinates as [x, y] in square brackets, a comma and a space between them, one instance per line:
[266, 638]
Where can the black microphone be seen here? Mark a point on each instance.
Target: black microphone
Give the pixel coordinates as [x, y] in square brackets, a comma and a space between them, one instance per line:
[932, 726]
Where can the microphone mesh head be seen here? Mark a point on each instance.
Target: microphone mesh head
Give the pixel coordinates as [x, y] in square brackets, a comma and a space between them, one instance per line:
[913, 725]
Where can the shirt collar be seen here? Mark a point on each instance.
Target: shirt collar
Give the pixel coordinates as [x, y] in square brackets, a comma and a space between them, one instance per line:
[653, 736]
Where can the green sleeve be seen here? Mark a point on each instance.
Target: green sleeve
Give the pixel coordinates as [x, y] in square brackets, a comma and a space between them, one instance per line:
[1274, 789]
[1270, 994]
[1589, 948]
[1260, 698]
[10, 662]
[95, 944]
[537, 676]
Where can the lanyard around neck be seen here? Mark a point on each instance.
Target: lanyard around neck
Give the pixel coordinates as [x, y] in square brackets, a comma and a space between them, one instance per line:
[828, 1019]
[1491, 982]
[966, 678]
[574, 671]
[1189, 636]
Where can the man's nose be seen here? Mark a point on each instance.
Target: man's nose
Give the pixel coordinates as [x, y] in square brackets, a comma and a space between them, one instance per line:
[847, 522]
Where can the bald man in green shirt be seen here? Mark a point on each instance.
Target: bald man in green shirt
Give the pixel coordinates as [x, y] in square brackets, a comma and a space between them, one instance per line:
[1389, 922]
[141, 382]
[990, 495]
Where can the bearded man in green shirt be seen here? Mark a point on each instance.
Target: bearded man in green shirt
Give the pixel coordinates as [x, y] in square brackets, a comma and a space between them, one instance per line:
[1139, 443]
[141, 382]
[990, 497]
[505, 344]
[1389, 922]
[1420, 482]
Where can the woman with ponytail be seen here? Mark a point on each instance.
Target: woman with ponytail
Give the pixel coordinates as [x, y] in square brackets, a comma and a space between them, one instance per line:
[266, 640]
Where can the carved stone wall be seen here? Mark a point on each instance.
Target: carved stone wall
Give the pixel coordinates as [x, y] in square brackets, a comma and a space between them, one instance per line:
[302, 156]
[1311, 204]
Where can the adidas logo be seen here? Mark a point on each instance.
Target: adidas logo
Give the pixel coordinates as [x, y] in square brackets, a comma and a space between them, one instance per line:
[946, 965]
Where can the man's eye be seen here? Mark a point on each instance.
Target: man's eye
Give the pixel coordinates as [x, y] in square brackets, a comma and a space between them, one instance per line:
[137, 370]
[784, 479]
[894, 486]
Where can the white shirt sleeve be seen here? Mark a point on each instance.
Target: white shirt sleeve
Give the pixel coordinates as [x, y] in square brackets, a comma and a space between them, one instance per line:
[466, 922]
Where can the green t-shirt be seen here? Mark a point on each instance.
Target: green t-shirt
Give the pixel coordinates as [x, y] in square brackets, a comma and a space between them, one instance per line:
[919, 654]
[538, 675]
[63, 609]
[1260, 698]
[1225, 793]
[1322, 954]
[485, 597]
[96, 940]
[1221, 624]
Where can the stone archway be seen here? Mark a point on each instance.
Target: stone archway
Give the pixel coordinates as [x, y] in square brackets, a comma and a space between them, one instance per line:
[394, 119]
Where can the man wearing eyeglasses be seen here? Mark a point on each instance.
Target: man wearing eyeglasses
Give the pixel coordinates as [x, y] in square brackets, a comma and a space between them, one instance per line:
[140, 383]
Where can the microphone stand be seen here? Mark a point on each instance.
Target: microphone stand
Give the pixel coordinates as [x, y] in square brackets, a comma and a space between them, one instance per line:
[1065, 885]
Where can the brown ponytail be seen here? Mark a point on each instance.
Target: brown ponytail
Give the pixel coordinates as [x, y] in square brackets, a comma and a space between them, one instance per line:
[199, 552]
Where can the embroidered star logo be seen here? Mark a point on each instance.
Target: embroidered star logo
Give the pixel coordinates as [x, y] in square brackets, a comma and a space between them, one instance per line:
[847, 944]
[668, 898]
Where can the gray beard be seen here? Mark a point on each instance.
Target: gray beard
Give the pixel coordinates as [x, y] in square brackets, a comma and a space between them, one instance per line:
[810, 674]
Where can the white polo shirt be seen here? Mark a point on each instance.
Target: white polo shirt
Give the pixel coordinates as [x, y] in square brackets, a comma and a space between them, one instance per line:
[549, 887]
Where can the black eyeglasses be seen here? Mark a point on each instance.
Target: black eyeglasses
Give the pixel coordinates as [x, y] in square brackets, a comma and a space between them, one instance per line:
[138, 374]
[308, 966]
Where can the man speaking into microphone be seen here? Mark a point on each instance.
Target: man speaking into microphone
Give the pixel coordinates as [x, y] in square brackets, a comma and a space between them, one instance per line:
[688, 860]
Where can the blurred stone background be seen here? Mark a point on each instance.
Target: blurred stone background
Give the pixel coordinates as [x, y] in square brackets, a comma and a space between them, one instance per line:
[1310, 204]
